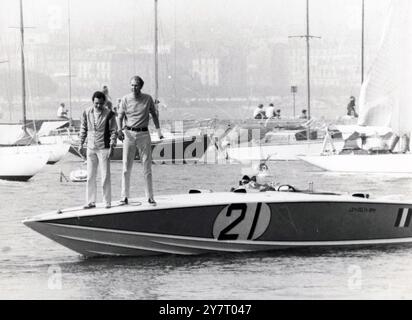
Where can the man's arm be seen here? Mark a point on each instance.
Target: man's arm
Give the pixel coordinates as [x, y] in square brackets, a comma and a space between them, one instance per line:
[119, 122]
[83, 128]
[113, 130]
[152, 110]
[83, 133]
[121, 114]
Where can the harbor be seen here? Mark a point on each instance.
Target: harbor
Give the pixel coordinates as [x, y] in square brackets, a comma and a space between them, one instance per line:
[269, 164]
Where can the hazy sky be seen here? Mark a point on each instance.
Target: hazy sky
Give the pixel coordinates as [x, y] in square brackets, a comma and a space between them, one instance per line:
[122, 21]
[129, 24]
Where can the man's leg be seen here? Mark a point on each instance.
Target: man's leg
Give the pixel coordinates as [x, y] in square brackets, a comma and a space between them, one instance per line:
[129, 153]
[104, 160]
[144, 145]
[92, 163]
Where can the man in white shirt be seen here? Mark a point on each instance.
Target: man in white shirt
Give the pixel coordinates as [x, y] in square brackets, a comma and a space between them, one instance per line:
[259, 113]
[270, 111]
[134, 112]
[62, 112]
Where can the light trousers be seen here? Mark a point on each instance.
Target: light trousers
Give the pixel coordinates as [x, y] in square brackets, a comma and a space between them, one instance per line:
[137, 141]
[94, 158]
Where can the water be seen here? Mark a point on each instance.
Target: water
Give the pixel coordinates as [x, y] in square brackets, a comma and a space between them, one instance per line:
[34, 267]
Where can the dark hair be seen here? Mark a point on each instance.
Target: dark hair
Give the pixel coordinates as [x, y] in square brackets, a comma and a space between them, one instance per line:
[137, 78]
[99, 95]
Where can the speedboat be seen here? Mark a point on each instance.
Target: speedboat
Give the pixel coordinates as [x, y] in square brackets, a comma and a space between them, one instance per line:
[239, 221]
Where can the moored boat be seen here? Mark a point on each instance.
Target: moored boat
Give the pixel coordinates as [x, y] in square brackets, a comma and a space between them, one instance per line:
[361, 163]
[173, 149]
[384, 105]
[20, 166]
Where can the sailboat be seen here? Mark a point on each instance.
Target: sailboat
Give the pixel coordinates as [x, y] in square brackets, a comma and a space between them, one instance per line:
[295, 139]
[19, 162]
[380, 141]
[20, 155]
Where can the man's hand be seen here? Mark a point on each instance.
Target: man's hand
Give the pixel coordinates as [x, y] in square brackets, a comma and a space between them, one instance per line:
[120, 135]
[159, 134]
[111, 150]
[80, 151]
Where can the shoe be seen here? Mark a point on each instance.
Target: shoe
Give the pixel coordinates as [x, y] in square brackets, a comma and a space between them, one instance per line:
[152, 202]
[108, 206]
[89, 206]
[123, 202]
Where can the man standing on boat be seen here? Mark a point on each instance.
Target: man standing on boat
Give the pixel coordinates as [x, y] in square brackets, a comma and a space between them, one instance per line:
[351, 107]
[135, 109]
[98, 125]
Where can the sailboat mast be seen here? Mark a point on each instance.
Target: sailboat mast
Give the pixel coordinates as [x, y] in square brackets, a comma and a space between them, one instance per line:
[307, 37]
[363, 43]
[23, 70]
[156, 48]
[308, 56]
[70, 63]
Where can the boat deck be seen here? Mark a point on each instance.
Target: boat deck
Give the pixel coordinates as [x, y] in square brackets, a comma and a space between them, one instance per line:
[167, 202]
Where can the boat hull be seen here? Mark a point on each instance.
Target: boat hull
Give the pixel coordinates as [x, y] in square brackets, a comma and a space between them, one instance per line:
[228, 222]
[20, 166]
[54, 152]
[379, 163]
[278, 152]
[168, 151]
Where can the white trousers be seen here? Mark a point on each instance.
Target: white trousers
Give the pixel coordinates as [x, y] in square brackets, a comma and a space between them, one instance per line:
[137, 141]
[94, 158]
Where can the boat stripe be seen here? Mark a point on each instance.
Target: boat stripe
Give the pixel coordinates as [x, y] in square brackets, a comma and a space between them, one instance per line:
[398, 218]
[121, 245]
[403, 219]
[408, 219]
[255, 220]
[254, 242]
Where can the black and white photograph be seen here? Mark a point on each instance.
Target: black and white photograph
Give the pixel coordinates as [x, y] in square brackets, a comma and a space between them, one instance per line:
[225, 150]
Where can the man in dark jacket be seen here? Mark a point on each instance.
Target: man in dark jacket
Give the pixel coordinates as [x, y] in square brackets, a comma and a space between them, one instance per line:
[98, 125]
